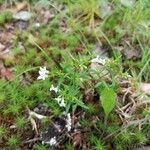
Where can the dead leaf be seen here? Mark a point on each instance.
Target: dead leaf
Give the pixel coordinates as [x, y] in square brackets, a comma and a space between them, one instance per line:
[145, 87]
[5, 37]
[21, 6]
[18, 7]
[5, 73]
[95, 66]
[39, 116]
[47, 17]
[76, 139]
[32, 39]
[6, 54]
[32, 121]
[2, 47]
[101, 50]
[129, 52]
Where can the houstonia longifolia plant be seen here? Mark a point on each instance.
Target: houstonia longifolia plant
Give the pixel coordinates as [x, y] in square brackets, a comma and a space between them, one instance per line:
[43, 74]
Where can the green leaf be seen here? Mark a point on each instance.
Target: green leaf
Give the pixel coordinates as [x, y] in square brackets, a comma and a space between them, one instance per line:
[108, 100]
[128, 3]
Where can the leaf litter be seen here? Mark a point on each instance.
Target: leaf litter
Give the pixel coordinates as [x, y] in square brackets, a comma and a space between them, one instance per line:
[127, 98]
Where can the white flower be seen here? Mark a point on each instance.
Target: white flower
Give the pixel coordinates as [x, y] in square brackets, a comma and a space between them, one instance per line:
[99, 60]
[51, 142]
[43, 73]
[68, 125]
[60, 101]
[52, 88]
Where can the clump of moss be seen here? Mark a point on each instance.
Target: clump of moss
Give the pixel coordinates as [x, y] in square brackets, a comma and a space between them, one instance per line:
[5, 17]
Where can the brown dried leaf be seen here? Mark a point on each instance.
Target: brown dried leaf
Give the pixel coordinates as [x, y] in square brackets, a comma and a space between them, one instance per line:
[5, 37]
[131, 53]
[76, 140]
[47, 16]
[18, 7]
[145, 87]
[128, 49]
[21, 6]
[5, 73]
[2, 47]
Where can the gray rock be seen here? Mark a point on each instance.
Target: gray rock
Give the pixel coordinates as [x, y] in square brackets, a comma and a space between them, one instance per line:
[23, 15]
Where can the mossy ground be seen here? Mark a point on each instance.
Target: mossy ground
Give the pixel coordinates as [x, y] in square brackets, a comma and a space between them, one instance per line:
[65, 42]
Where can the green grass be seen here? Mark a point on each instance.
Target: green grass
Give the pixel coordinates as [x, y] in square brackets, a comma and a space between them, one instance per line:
[68, 56]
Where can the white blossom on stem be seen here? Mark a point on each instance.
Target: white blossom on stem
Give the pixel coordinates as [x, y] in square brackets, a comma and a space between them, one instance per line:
[68, 121]
[55, 89]
[43, 73]
[51, 142]
[60, 101]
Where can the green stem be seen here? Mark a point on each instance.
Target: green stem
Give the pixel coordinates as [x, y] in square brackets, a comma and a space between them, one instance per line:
[105, 120]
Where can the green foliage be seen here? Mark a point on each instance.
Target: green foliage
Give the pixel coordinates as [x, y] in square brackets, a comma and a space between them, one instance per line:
[2, 97]
[20, 122]
[108, 100]
[125, 137]
[84, 123]
[40, 147]
[13, 141]
[68, 54]
[13, 108]
[1, 1]
[97, 144]
[5, 17]
[140, 138]
[91, 109]
[119, 147]
[68, 147]
[2, 132]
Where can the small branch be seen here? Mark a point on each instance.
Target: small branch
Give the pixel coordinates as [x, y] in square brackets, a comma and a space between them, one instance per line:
[32, 140]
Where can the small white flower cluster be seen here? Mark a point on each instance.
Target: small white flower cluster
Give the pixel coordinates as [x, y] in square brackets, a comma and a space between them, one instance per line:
[68, 125]
[43, 73]
[51, 142]
[59, 99]
[99, 60]
[55, 89]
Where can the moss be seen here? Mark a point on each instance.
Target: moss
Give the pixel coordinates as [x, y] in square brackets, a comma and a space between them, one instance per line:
[5, 17]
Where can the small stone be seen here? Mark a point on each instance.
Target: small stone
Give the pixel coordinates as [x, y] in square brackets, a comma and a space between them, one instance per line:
[23, 15]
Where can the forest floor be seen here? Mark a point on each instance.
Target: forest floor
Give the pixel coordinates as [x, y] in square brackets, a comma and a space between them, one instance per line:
[74, 74]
